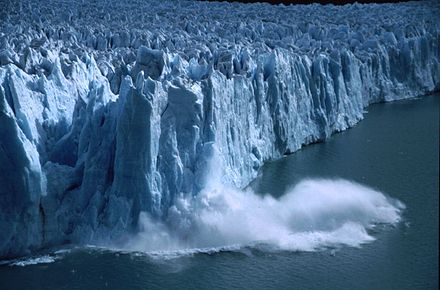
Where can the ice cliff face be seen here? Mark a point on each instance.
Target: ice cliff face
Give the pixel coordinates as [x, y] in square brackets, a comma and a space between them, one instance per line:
[110, 109]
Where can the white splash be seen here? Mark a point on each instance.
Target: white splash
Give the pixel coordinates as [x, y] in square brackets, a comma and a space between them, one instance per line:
[312, 215]
[45, 259]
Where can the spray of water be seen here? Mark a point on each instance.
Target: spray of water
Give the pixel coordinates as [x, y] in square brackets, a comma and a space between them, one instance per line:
[315, 214]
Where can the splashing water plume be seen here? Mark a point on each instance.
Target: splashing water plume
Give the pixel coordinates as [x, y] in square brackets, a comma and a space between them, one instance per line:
[315, 214]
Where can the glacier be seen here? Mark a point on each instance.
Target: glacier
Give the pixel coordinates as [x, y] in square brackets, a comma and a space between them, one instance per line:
[111, 109]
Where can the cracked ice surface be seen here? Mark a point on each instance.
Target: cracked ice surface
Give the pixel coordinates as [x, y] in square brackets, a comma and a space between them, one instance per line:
[111, 108]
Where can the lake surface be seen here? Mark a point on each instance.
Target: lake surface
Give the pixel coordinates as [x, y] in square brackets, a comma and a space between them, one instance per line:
[394, 150]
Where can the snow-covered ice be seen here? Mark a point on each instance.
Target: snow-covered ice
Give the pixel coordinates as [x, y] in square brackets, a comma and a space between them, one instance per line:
[113, 108]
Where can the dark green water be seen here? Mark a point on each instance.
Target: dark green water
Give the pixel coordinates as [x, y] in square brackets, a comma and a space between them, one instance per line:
[395, 150]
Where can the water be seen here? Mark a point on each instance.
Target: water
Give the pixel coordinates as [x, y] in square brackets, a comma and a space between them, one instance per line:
[394, 150]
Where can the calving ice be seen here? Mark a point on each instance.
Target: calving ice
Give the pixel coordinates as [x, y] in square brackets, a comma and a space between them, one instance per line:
[315, 214]
[109, 131]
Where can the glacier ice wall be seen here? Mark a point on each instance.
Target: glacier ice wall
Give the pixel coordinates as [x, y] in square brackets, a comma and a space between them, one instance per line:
[109, 109]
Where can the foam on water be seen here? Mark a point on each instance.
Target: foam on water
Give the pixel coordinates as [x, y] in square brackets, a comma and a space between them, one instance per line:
[45, 259]
[315, 214]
